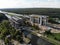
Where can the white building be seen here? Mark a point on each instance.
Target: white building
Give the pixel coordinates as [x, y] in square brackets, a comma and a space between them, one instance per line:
[38, 20]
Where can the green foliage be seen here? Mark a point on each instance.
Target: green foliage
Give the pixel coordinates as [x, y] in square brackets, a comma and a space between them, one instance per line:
[2, 17]
[55, 36]
[18, 37]
[51, 20]
[44, 11]
[48, 32]
[6, 41]
[6, 29]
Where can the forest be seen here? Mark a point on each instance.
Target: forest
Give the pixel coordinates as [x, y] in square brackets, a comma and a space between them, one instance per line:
[40, 11]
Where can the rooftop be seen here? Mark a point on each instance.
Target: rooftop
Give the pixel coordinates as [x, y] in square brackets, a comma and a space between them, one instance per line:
[34, 15]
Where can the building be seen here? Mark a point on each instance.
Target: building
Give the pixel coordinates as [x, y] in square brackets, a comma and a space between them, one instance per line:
[38, 20]
[16, 21]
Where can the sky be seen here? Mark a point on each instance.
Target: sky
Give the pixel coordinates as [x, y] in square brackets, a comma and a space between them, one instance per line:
[29, 3]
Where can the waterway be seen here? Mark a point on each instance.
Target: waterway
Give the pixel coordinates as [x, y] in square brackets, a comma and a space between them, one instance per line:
[35, 40]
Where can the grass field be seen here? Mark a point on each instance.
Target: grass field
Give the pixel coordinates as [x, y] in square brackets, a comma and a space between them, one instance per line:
[55, 36]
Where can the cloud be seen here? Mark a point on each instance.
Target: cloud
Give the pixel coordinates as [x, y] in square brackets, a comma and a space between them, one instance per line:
[7, 3]
[29, 3]
[41, 3]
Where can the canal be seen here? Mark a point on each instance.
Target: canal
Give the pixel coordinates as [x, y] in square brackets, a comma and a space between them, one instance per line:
[35, 40]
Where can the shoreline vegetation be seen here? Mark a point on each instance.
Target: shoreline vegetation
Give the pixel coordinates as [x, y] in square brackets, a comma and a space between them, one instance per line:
[40, 11]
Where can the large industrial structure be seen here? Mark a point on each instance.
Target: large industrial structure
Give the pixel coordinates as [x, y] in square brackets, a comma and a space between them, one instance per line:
[38, 20]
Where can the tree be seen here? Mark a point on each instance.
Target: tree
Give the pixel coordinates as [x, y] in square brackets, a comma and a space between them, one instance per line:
[6, 41]
[18, 37]
[47, 32]
[6, 29]
[2, 17]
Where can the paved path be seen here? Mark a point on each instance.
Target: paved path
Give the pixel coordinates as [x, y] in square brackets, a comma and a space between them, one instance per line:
[2, 42]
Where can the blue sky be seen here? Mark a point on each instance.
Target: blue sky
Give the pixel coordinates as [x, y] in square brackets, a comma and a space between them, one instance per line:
[29, 3]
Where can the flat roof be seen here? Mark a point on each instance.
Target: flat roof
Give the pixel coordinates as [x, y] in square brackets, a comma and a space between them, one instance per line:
[35, 15]
[16, 18]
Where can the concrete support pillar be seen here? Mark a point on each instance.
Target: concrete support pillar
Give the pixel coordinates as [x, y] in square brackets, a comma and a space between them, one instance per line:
[45, 21]
[31, 20]
[40, 20]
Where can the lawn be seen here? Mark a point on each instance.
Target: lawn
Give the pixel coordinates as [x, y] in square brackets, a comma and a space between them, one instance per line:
[55, 36]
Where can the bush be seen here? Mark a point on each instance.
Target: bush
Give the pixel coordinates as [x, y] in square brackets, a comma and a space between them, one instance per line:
[6, 41]
[7, 29]
[18, 37]
[47, 32]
